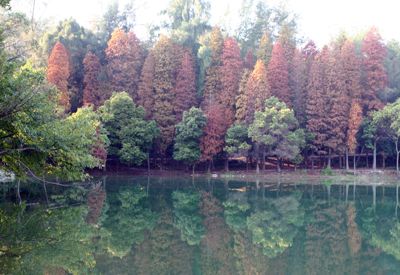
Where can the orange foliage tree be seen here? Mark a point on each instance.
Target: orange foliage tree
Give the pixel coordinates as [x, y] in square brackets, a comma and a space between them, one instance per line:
[92, 67]
[249, 61]
[278, 77]
[299, 93]
[374, 78]
[58, 73]
[146, 91]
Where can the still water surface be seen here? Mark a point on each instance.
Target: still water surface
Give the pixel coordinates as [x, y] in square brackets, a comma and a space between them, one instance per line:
[178, 226]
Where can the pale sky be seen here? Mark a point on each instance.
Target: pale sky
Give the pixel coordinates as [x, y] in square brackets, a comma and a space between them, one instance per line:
[319, 19]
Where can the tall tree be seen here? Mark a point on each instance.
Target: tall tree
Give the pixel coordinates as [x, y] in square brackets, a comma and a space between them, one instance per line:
[241, 99]
[211, 142]
[212, 80]
[264, 51]
[249, 61]
[90, 93]
[185, 90]
[257, 91]
[278, 78]
[288, 42]
[58, 73]
[374, 73]
[146, 92]
[164, 79]
[231, 73]
[135, 61]
[299, 92]
[392, 65]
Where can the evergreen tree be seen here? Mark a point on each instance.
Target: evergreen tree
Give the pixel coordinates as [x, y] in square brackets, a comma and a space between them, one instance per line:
[288, 43]
[58, 73]
[91, 92]
[212, 80]
[264, 51]
[241, 99]
[185, 91]
[278, 78]
[374, 74]
[231, 72]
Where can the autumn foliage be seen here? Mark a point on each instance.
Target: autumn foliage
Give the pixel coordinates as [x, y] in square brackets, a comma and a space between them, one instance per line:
[58, 73]
[91, 92]
[212, 140]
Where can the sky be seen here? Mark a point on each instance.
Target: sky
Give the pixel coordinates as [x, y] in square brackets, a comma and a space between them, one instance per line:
[319, 20]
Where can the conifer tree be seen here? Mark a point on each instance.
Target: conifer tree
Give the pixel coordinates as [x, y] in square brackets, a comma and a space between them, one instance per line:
[278, 77]
[299, 92]
[257, 91]
[146, 92]
[135, 61]
[265, 49]
[58, 73]
[354, 122]
[212, 139]
[241, 98]
[249, 62]
[163, 108]
[288, 44]
[212, 80]
[374, 74]
[231, 73]
[185, 91]
[92, 67]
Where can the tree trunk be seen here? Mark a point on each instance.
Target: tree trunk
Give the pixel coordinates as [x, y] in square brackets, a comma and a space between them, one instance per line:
[213, 162]
[397, 159]
[277, 165]
[354, 163]
[329, 158]
[366, 152]
[208, 166]
[263, 166]
[312, 162]
[340, 159]
[227, 164]
[295, 167]
[18, 192]
[347, 159]
[383, 159]
[247, 164]
[148, 161]
[251, 161]
[173, 164]
[374, 158]
[162, 163]
[193, 169]
[257, 167]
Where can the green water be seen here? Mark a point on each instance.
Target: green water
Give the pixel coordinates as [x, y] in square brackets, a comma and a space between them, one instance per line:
[158, 225]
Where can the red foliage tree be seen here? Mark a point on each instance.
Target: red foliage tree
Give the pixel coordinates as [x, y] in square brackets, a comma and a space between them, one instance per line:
[278, 77]
[374, 78]
[351, 67]
[185, 90]
[249, 62]
[257, 91]
[299, 92]
[58, 73]
[212, 140]
[231, 72]
[92, 67]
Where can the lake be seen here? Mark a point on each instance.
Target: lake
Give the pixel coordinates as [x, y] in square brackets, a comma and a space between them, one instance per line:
[154, 225]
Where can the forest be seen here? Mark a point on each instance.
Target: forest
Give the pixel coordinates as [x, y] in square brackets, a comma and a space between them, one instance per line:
[197, 95]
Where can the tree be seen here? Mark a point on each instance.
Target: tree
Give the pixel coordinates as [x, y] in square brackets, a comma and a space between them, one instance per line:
[275, 128]
[212, 80]
[257, 91]
[236, 140]
[374, 73]
[58, 73]
[288, 43]
[211, 142]
[90, 93]
[131, 137]
[188, 132]
[135, 62]
[354, 122]
[185, 91]
[146, 92]
[388, 121]
[392, 67]
[264, 52]
[299, 91]
[241, 98]
[278, 78]
[249, 61]
[187, 219]
[128, 215]
[231, 73]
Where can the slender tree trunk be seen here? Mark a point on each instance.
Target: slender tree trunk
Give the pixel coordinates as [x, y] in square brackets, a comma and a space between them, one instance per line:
[340, 159]
[329, 158]
[193, 169]
[257, 167]
[18, 192]
[354, 163]
[4, 194]
[263, 166]
[208, 166]
[295, 167]
[227, 164]
[213, 163]
[45, 192]
[148, 161]
[347, 159]
[247, 164]
[162, 163]
[278, 165]
[374, 158]
[251, 161]
[173, 164]
[397, 159]
[366, 152]
[312, 162]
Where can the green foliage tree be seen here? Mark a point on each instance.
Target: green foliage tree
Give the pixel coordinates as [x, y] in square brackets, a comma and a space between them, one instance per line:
[276, 128]
[130, 136]
[187, 219]
[128, 215]
[236, 140]
[188, 132]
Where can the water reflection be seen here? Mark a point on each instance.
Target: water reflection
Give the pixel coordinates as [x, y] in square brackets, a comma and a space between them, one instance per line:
[149, 225]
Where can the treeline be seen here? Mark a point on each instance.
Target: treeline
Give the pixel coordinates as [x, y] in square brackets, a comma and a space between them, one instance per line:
[255, 94]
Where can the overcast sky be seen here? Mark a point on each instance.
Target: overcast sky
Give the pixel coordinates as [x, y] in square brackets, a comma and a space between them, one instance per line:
[319, 19]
